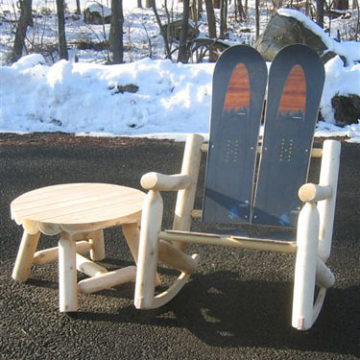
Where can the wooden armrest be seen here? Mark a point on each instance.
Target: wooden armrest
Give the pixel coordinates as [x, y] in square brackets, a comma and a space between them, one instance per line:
[160, 182]
[311, 192]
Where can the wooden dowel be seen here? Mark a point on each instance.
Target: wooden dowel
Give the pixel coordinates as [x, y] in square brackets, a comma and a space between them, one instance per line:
[107, 280]
[51, 255]
[88, 267]
[315, 152]
[232, 241]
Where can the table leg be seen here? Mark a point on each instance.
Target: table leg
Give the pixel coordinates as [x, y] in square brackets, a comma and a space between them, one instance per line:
[97, 252]
[24, 258]
[68, 300]
[132, 233]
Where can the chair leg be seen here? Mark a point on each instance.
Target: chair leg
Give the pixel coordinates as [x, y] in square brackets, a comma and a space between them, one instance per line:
[68, 300]
[24, 258]
[151, 249]
[148, 250]
[305, 267]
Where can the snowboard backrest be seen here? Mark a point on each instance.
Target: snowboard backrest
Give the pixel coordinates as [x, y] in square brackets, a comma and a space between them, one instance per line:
[295, 85]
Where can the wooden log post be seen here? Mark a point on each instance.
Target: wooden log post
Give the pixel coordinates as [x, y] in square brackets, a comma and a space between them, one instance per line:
[329, 174]
[24, 258]
[186, 197]
[305, 267]
[148, 250]
[68, 301]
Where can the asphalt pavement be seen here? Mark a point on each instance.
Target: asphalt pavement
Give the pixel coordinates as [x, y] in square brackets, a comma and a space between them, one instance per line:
[237, 304]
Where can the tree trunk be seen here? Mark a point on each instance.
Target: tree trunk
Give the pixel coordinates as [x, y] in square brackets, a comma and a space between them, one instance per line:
[341, 4]
[211, 19]
[183, 55]
[216, 4]
[211, 26]
[78, 7]
[320, 12]
[116, 32]
[257, 18]
[148, 4]
[24, 21]
[223, 19]
[63, 53]
[139, 4]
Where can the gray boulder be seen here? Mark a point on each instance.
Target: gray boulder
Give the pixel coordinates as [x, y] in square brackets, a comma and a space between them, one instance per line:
[285, 30]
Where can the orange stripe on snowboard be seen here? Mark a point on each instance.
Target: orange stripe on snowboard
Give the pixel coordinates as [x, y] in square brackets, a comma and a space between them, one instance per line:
[238, 91]
[293, 98]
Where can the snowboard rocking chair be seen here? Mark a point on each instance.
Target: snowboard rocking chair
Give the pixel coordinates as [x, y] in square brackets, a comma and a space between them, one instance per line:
[252, 179]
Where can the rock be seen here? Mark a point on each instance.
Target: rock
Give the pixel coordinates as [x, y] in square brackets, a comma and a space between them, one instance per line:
[346, 108]
[285, 30]
[97, 14]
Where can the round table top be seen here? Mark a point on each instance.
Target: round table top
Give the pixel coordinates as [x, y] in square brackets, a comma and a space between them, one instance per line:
[78, 204]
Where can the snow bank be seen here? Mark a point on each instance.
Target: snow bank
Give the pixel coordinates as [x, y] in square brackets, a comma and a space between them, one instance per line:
[171, 98]
[80, 97]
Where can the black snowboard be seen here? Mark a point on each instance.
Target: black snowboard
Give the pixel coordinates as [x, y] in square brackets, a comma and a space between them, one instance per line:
[295, 85]
[239, 83]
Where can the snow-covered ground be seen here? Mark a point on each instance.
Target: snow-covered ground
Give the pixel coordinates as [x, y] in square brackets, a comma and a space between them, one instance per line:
[86, 97]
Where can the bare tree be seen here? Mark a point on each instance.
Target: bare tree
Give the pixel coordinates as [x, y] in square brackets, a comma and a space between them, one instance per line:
[211, 18]
[162, 31]
[25, 20]
[116, 32]
[63, 53]
[211, 26]
[183, 55]
[223, 18]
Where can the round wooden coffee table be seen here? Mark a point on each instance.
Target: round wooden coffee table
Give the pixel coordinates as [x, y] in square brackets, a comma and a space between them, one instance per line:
[78, 210]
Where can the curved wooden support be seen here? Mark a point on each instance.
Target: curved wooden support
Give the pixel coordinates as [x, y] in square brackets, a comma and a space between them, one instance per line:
[305, 267]
[318, 304]
[106, 280]
[167, 295]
